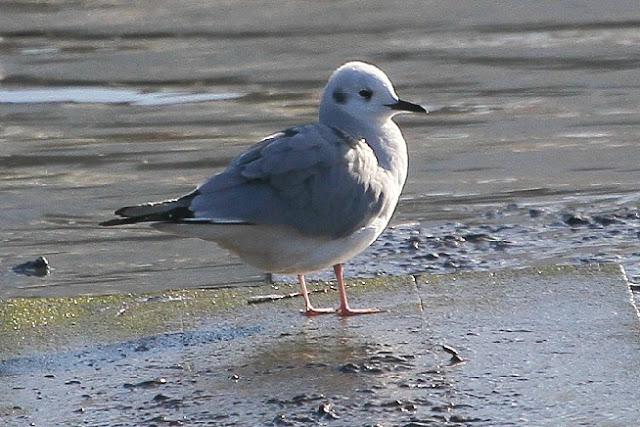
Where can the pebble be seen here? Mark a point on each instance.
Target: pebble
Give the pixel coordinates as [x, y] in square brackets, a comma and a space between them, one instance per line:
[160, 397]
[38, 267]
[146, 384]
[535, 213]
[432, 256]
[575, 220]
[605, 220]
[455, 355]
[414, 243]
[325, 410]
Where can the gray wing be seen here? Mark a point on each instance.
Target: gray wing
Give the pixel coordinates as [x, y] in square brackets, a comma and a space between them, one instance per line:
[314, 178]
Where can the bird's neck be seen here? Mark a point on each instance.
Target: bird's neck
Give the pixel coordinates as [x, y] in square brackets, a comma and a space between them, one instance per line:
[384, 138]
[391, 151]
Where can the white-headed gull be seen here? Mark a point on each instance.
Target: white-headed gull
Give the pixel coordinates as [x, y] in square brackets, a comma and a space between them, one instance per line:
[306, 198]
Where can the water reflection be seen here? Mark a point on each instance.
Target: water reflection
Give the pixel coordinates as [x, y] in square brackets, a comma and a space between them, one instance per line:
[103, 95]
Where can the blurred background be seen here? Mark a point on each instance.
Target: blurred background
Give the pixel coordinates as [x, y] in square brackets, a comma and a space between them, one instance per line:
[529, 156]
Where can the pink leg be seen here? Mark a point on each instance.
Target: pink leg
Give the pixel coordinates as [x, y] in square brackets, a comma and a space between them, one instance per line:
[308, 308]
[344, 309]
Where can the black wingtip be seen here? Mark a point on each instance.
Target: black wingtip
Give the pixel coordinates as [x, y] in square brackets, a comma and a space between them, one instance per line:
[120, 212]
[118, 221]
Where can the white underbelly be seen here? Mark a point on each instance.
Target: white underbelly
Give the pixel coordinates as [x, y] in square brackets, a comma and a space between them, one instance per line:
[279, 249]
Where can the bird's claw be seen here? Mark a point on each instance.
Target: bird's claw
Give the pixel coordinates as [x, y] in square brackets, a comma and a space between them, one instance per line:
[311, 312]
[347, 311]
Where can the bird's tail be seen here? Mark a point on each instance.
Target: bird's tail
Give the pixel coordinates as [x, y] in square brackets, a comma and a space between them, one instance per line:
[169, 210]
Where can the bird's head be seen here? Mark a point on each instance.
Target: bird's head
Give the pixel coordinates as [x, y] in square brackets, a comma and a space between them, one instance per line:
[365, 92]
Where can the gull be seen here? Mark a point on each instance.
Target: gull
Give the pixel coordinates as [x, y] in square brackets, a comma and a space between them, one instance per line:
[308, 197]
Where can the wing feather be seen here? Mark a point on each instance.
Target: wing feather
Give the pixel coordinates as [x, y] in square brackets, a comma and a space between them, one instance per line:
[314, 178]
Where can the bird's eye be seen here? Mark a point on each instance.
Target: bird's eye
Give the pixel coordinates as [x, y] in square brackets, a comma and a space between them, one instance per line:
[366, 94]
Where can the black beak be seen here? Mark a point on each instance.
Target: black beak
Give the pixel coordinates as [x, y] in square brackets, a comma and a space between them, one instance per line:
[407, 106]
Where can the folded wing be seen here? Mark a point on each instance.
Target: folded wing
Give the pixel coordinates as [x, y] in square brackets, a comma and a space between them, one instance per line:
[314, 178]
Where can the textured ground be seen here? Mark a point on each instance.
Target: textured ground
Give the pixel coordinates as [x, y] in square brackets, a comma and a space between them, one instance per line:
[550, 346]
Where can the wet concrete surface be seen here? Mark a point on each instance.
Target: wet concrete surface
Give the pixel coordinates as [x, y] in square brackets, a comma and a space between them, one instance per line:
[545, 347]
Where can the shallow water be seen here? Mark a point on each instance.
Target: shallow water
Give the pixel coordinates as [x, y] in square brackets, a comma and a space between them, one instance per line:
[103, 104]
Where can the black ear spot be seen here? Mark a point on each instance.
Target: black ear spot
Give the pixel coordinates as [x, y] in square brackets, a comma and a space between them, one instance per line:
[366, 94]
[339, 96]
